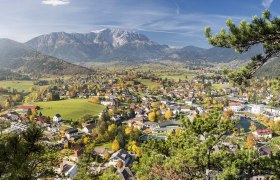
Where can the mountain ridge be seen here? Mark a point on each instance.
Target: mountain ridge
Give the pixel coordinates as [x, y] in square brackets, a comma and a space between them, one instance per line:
[116, 44]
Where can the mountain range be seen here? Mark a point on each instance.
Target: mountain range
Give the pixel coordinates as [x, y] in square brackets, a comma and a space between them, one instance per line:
[121, 45]
[58, 52]
[22, 58]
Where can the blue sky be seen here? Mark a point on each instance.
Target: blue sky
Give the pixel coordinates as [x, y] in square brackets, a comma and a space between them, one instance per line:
[176, 23]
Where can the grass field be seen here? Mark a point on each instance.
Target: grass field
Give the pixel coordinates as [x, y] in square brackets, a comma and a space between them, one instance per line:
[149, 83]
[69, 109]
[107, 145]
[177, 76]
[18, 85]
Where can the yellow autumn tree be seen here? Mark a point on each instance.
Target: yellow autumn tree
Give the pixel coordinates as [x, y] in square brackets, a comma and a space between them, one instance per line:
[152, 116]
[95, 100]
[154, 105]
[138, 152]
[112, 128]
[168, 114]
[106, 156]
[86, 140]
[128, 130]
[250, 141]
[115, 145]
[228, 114]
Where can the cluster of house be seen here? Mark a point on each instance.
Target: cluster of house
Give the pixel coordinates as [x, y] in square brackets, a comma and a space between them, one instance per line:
[68, 167]
[256, 109]
[180, 99]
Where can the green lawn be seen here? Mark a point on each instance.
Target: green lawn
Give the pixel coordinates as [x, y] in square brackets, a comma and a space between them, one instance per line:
[178, 75]
[69, 109]
[18, 85]
[149, 83]
[107, 145]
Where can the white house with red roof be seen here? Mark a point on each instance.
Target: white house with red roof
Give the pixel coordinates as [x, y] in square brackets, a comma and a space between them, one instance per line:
[263, 133]
[236, 106]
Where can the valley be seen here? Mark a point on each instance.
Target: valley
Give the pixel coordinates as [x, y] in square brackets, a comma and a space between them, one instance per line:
[139, 90]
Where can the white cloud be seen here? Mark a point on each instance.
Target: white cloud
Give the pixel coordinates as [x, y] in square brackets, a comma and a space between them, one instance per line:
[55, 2]
[266, 3]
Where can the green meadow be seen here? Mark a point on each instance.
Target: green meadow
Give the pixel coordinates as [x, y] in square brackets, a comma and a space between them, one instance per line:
[18, 85]
[149, 83]
[69, 109]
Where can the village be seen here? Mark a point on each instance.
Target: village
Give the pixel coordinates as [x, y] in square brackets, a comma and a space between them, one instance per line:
[134, 112]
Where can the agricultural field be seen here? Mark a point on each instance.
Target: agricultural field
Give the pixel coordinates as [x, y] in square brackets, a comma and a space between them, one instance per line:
[149, 83]
[18, 85]
[69, 109]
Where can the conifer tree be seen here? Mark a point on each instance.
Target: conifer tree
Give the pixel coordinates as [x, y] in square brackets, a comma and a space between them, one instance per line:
[261, 30]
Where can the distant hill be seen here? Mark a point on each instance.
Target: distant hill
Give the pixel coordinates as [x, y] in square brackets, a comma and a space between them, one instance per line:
[127, 46]
[22, 58]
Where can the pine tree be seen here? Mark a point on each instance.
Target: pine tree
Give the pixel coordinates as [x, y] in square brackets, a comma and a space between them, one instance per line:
[263, 30]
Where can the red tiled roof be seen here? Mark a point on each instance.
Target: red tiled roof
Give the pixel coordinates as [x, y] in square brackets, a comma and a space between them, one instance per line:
[235, 104]
[27, 107]
[40, 119]
[264, 131]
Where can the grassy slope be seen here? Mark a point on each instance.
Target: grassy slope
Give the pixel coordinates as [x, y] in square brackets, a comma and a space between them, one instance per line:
[70, 109]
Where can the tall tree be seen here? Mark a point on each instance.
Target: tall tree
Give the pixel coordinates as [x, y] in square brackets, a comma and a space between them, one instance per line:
[24, 157]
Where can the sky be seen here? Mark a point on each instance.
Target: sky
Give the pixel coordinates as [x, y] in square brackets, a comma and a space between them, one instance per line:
[176, 23]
